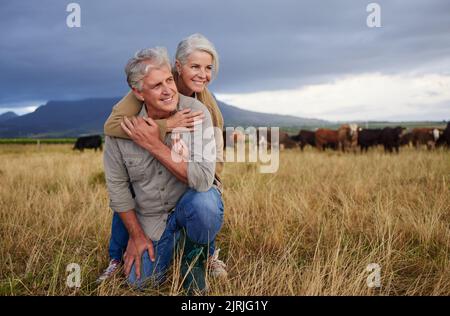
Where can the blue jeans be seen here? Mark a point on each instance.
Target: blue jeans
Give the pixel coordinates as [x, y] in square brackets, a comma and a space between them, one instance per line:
[199, 213]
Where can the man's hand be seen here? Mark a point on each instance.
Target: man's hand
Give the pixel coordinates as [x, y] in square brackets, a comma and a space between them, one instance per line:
[184, 119]
[135, 248]
[142, 131]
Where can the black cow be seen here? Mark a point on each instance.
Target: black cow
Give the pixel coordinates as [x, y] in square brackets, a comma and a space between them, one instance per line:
[368, 138]
[406, 139]
[227, 141]
[390, 138]
[305, 138]
[94, 141]
[444, 138]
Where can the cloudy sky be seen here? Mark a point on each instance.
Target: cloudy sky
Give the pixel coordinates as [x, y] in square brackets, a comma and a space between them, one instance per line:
[314, 58]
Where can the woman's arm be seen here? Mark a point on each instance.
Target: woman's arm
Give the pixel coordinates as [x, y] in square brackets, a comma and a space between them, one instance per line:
[130, 106]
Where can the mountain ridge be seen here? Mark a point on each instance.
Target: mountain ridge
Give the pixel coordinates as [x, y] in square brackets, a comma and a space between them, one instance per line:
[7, 116]
[59, 118]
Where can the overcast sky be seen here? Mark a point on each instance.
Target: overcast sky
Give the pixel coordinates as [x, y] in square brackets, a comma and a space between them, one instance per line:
[312, 58]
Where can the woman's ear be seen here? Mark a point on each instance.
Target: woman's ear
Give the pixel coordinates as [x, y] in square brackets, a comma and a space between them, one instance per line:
[178, 66]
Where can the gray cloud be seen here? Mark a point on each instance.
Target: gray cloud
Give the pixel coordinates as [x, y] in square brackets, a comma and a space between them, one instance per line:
[263, 44]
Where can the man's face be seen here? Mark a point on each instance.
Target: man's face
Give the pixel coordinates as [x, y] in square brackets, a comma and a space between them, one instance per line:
[159, 92]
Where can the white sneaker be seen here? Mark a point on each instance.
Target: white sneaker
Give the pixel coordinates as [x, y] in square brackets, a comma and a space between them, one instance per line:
[113, 267]
[216, 267]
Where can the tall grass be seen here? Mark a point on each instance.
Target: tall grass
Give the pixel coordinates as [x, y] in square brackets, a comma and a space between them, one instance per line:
[309, 229]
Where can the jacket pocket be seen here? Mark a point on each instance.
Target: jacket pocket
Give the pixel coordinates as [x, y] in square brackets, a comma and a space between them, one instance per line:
[135, 167]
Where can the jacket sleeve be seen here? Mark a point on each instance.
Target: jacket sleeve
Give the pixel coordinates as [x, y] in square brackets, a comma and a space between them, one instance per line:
[128, 106]
[117, 179]
[202, 163]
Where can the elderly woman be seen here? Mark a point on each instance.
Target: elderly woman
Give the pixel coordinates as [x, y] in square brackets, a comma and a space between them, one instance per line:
[196, 64]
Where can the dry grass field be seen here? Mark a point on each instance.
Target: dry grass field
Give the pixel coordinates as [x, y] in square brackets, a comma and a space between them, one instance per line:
[309, 229]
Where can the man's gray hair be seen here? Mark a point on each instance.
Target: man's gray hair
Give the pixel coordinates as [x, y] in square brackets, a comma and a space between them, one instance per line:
[143, 61]
[197, 42]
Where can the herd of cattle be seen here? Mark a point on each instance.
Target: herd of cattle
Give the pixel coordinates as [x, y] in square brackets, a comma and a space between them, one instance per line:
[349, 137]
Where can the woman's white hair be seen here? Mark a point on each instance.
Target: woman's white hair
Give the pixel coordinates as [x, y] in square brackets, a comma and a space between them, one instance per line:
[143, 61]
[197, 42]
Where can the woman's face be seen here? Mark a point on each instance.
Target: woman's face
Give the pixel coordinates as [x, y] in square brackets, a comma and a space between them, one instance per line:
[195, 74]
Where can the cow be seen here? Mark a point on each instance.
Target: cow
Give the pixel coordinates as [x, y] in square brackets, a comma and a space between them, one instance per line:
[348, 137]
[227, 141]
[238, 136]
[326, 138]
[368, 138]
[354, 136]
[425, 136]
[444, 138]
[265, 139]
[406, 139]
[233, 139]
[94, 141]
[304, 138]
[286, 141]
[390, 138]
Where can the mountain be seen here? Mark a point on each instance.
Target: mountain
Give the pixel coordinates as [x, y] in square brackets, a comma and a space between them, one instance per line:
[61, 119]
[234, 116]
[75, 118]
[7, 116]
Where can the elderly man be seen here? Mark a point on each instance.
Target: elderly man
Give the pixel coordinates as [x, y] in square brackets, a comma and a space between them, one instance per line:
[174, 190]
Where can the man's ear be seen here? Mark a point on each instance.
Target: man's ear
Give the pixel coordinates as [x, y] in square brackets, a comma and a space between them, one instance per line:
[138, 94]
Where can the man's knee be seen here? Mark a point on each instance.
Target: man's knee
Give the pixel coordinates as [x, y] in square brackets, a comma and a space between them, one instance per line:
[204, 206]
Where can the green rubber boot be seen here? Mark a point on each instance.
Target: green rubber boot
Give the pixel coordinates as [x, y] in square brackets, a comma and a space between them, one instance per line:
[193, 266]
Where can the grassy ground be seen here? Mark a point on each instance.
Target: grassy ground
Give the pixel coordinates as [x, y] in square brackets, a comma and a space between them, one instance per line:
[309, 229]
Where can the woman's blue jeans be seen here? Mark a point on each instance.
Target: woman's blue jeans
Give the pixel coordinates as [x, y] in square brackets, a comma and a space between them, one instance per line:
[199, 213]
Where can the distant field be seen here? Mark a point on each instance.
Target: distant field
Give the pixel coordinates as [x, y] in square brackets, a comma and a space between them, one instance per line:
[312, 228]
[23, 141]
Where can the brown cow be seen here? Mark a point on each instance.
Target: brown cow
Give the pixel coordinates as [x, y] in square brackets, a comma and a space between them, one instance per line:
[326, 138]
[287, 142]
[425, 136]
[348, 137]
[232, 139]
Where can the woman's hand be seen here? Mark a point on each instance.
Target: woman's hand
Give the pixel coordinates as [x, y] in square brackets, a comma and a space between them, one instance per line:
[184, 119]
[179, 148]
